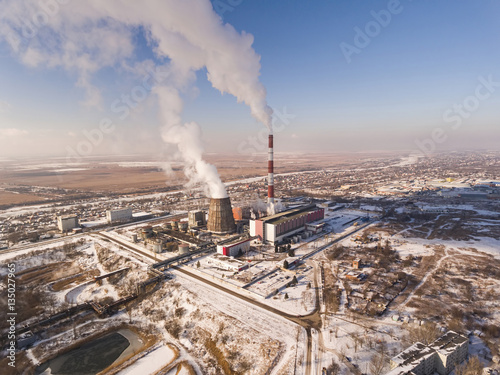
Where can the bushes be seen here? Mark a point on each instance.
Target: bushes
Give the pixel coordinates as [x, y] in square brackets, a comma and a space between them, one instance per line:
[174, 328]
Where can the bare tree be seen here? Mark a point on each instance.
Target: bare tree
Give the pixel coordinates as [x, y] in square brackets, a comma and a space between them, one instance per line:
[460, 369]
[425, 334]
[333, 369]
[378, 363]
[474, 366]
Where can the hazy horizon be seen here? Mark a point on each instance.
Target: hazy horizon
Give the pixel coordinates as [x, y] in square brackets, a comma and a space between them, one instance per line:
[333, 87]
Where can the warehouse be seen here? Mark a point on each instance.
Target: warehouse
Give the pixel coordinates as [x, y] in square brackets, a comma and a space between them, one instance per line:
[233, 248]
[273, 229]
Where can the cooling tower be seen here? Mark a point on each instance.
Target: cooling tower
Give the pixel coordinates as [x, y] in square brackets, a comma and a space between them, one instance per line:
[220, 216]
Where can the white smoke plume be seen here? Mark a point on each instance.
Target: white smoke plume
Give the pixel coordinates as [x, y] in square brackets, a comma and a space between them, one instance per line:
[187, 137]
[259, 208]
[86, 36]
[276, 207]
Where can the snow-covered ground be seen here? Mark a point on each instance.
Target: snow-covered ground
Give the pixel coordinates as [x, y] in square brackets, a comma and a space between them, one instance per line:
[152, 362]
[194, 298]
[340, 337]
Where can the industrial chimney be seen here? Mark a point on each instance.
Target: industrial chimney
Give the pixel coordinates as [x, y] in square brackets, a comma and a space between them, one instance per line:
[270, 171]
[220, 216]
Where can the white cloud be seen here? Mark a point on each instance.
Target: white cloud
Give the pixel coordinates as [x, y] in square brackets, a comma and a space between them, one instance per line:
[12, 133]
[74, 36]
[84, 37]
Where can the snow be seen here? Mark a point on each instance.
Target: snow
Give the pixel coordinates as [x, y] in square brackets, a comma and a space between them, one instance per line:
[73, 294]
[90, 224]
[405, 161]
[247, 314]
[70, 169]
[300, 302]
[152, 362]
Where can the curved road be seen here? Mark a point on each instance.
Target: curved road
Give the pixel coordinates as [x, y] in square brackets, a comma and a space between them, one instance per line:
[308, 322]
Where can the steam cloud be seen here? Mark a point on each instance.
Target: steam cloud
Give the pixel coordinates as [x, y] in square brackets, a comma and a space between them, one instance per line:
[84, 37]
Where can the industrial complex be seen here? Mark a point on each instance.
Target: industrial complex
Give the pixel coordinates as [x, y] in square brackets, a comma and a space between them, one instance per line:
[336, 267]
[144, 234]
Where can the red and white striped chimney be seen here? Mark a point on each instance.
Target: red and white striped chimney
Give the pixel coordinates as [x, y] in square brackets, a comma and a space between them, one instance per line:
[270, 171]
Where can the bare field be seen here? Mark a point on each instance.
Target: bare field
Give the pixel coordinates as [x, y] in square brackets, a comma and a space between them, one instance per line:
[8, 198]
[132, 175]
[106, 178]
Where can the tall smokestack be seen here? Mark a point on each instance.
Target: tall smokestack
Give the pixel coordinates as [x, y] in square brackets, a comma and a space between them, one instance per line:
[270, 171]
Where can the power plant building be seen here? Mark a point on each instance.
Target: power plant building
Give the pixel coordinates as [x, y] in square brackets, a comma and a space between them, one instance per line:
[67, 222]
[220, 216]
[275, 228]
[122, 214]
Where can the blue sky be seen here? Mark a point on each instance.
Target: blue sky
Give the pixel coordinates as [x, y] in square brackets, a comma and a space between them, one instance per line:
[392, 95]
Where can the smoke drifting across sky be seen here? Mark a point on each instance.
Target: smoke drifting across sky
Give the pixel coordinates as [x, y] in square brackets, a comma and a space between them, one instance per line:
[84, 37]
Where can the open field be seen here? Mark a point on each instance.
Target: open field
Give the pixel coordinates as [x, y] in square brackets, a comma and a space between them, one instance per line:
[7, 198]
[55, 180]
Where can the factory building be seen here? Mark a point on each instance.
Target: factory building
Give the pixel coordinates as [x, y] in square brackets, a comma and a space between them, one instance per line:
[233, 247]
[67, 222]
[441, 356]
[196, 218]
[275, 228]
[315, 228]
[122, 214]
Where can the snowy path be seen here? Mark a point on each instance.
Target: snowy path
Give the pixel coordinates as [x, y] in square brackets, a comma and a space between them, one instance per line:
[430, 273]
[72, 295]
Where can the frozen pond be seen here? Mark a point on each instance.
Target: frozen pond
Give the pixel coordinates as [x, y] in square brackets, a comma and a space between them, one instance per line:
[94, 356]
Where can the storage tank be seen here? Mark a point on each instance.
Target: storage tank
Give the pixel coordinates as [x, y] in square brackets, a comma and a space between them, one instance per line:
[238, 213]
[183, 248]
[157, 247]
